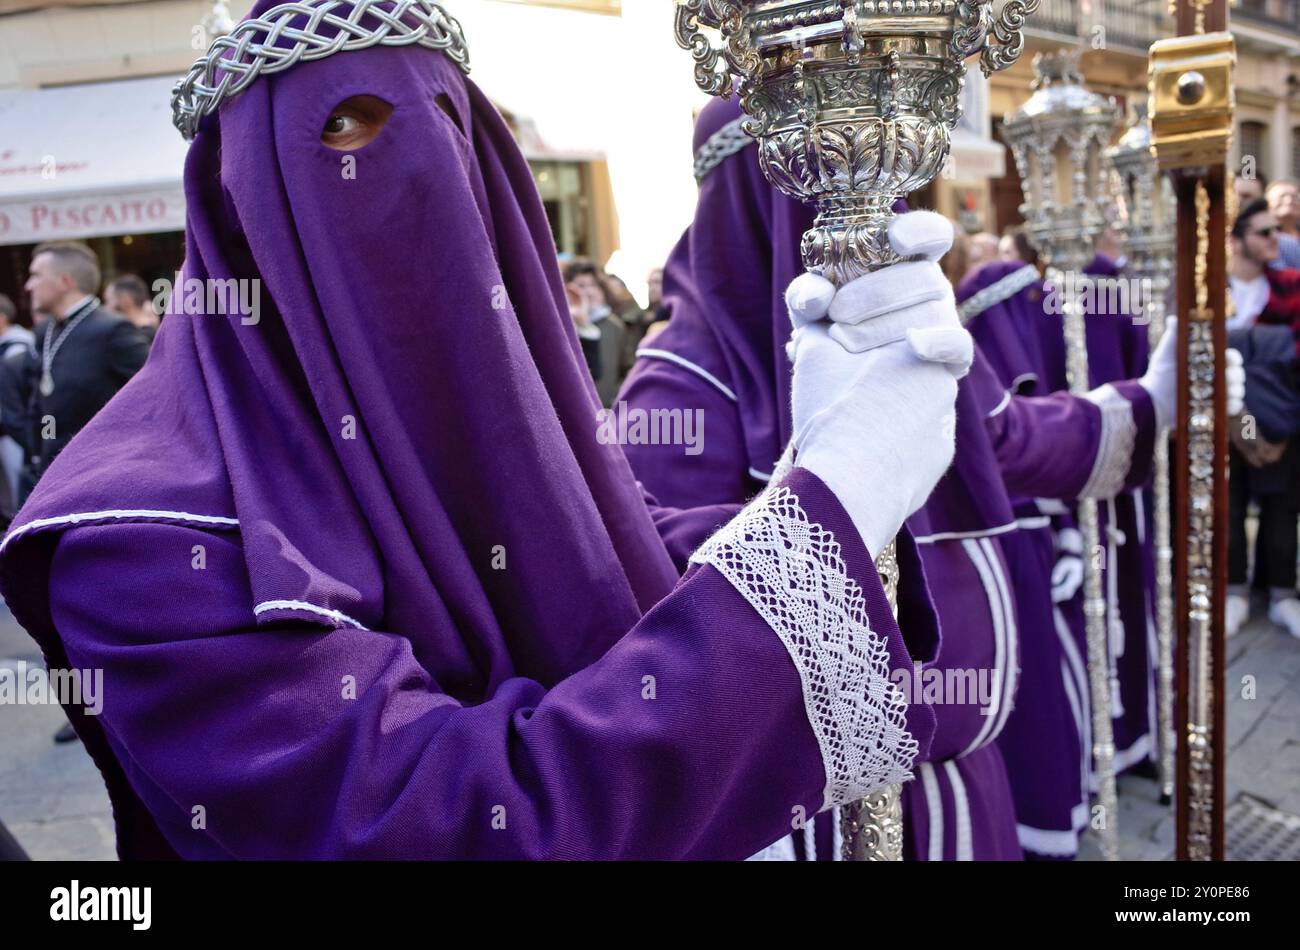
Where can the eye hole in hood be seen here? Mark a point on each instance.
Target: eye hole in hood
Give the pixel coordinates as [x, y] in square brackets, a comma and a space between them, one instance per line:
[355, 122]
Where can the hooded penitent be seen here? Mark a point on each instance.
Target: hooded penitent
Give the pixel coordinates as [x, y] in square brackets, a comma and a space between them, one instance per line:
[724, 352]
[404, 440]
[1047, 741]
[326, 435]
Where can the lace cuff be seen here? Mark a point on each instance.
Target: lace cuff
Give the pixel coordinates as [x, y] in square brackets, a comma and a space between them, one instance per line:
[1119, 432]
[790, 570]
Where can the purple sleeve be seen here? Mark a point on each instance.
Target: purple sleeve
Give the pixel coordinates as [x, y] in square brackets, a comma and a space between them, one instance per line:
[691, 490]
[710, 472]
[685, 529]
[690, 738]
[1063, 446]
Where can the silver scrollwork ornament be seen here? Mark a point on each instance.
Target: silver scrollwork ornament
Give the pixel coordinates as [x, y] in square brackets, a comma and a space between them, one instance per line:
[852, 101]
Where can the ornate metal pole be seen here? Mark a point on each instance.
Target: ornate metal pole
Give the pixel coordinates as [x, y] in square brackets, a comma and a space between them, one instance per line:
[852, 103]
[1058, 137]
[1149, 196]
[1192, 101]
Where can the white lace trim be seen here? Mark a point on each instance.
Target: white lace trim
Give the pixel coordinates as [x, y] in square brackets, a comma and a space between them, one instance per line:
[1115, 451]
[789, 569]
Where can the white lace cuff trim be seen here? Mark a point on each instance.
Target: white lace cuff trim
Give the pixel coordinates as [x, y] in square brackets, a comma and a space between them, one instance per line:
[1115, 450]
[789, 569]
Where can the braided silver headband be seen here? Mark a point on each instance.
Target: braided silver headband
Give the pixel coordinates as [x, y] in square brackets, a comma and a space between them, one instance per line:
[233, 62]
[722, 144]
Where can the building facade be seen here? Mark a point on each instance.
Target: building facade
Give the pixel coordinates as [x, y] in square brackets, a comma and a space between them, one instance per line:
[1114, 37]
[87, 149]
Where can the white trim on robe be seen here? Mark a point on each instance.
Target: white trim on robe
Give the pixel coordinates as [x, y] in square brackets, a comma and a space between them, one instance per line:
[303, 607]
[142, 515]
[1052, 844]
[1000, 407]
[965, 535]
[1127, 758]
[965, 850]
[1012, 678]
[669, 356]
[1002, 656]
[1078, 674]
[934, 805]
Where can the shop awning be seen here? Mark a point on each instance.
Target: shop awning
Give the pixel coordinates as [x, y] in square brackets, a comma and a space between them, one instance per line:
[90, 160]
[976, 158]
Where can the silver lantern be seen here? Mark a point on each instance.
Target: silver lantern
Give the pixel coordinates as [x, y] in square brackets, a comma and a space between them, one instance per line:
[852, 103]
[1059, 139]
[1153, 210]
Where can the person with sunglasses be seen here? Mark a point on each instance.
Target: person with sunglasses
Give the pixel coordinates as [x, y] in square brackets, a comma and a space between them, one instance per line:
[1264, 464]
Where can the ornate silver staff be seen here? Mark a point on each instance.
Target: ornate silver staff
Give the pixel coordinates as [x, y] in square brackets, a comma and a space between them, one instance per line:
[1190, 77]
[852, 103]
[1058, 138]
[1151, 223]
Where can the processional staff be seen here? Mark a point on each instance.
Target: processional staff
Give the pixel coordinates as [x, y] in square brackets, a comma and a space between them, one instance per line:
[1148, 194]
[1191, 104]
[853, 103]
[1058, 139]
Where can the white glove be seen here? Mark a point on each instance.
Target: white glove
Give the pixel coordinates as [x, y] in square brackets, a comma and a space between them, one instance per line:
[1161, 379]
[877, 427]
[1067, 573]
[905, 300]
[1234, 378]
[1067, 577]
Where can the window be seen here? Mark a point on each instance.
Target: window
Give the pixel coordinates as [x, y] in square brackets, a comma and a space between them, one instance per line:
[1254, 141]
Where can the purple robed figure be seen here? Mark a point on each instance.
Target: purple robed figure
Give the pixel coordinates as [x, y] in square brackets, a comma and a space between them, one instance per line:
[1118, 349]
[723, 354]
[363, 582]
[1047, 742]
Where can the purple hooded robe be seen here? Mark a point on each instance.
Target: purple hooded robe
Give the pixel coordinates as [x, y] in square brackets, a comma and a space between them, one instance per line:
[1048, 741]
[723, 357]
[1118, 349]
[362, 579]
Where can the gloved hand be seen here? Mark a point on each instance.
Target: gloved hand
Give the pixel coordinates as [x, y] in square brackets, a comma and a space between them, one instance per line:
[878, 427]
[905, 300]
[1067, 573]
[1234, 377]
[1161, 379]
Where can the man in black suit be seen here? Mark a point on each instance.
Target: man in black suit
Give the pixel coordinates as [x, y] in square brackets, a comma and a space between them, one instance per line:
[84, 353]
